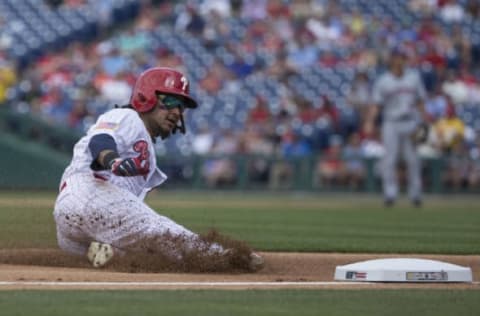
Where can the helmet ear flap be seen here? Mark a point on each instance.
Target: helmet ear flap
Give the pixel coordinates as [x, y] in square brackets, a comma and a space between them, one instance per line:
[142, 103]
[141, 97]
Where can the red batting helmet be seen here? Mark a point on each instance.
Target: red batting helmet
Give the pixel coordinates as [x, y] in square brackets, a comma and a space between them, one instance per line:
[159, 80]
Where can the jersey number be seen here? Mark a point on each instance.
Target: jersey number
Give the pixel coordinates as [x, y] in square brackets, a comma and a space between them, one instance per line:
[141, 147]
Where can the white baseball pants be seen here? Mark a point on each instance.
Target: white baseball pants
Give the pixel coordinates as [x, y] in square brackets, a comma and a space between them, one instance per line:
[89, 209]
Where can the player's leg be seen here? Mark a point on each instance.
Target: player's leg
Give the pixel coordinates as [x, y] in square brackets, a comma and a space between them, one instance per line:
[135, 226]
[68, 244]
[390, 138]
[100, 211]
[70, 221]
[414, 170]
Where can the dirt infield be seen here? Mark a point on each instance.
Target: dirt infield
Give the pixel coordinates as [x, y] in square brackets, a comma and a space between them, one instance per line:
[50, 269]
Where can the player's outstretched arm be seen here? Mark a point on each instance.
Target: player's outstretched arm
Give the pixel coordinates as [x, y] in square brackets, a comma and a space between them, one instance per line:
[105, 157]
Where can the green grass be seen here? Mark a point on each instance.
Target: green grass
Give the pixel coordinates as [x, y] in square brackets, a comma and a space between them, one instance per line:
[257, 302]
[345, 223]
[276, 222]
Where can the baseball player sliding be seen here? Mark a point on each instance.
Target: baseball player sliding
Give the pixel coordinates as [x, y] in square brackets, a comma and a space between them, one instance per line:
[100, 211]
[399, 94]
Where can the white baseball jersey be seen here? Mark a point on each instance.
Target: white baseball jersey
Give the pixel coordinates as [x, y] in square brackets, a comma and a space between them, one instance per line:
[133, 140]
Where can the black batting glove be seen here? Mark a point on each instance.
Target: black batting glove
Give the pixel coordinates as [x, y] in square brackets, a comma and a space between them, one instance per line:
[127, 167]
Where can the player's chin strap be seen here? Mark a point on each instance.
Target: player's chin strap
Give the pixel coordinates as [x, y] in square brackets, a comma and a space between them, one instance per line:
[180, 127]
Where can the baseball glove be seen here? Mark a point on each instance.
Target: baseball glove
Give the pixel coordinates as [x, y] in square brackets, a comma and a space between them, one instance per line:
[420, 134]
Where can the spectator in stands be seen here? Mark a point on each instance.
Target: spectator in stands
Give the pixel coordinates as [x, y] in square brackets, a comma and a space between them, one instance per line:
[428, 30]
[358, 97]
[357, 25]
[451, 11]
[146, 20]
[78, 114]
[116, 89]
[329, 110]
[457, 166]
[423, 6]
[167, 58]
[259, 147]
[304, 54]
[450, 130]
[436, 104]
[306, 112]
[461, 51]
[190, 20]
[216, 30]
[293, 146]
[353, 157]
[278, 9]
[327, 122]
[325, 30]
[202, 142]
[7, 79]
[215, 78]
[113, 62]
[473, 8]
[434, 58]
[222, 170]
[260, 113]
[240, 67]
[281, 68]
[222, 8]
[254, 9]
[330, 169]
[132, 41]
[453, 87]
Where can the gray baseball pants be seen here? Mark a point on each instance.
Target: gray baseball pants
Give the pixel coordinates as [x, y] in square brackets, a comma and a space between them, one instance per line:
[396, 140]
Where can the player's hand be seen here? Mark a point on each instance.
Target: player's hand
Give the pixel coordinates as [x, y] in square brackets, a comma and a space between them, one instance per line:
[128, 167]
[420, 134]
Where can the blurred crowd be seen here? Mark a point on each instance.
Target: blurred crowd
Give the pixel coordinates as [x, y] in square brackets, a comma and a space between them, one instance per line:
[279, 40]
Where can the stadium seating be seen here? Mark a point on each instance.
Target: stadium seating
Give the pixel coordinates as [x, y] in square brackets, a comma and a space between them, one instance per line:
[36, 28]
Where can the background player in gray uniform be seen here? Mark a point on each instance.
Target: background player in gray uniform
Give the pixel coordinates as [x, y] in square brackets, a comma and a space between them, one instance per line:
[398, 94]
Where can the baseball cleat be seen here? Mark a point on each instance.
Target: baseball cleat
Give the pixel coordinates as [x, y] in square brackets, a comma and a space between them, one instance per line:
[256, 262]
[99, 254]
[417, 202]
[388, 202]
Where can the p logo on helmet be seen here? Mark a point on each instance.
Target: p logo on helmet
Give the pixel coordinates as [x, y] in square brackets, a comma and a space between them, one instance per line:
[184, 81]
